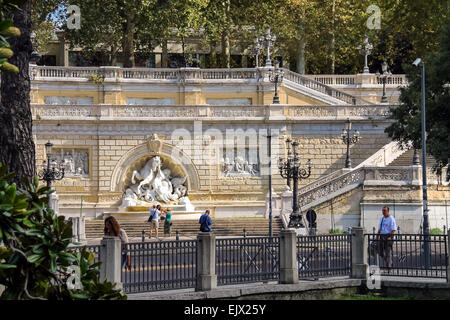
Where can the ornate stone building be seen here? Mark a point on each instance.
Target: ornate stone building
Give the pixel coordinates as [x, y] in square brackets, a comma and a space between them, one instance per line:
[209, 126]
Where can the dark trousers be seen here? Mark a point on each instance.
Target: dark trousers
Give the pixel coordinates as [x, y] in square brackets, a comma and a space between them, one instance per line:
[386, 249]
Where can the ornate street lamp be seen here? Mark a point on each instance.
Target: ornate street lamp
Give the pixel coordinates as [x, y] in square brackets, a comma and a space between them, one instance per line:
[349, 139]
[256, 48]
[385, 74]
[269, 41]
[366, 50]
[290, 168]
[51, 169]
[276, 76]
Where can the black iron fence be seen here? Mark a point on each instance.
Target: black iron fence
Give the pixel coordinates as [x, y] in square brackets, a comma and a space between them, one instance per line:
[409, 255]
[324, 256]
[247, 259]
[159, 265]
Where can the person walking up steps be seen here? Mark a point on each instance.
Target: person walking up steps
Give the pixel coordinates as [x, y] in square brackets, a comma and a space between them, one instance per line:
[168, 221]
[154, 218]
[205, 222]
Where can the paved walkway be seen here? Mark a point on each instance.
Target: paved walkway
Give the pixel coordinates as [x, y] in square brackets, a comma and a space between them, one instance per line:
[252, 290]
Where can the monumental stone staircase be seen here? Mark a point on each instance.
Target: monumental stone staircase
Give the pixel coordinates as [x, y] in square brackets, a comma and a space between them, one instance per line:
[406, 159]
[190, 228]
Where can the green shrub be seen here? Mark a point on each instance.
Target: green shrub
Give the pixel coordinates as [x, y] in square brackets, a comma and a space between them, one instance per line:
[335, 231]
[436, 231]
[35, 261]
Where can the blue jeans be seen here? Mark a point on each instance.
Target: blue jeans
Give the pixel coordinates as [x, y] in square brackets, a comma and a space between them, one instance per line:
[124, 259]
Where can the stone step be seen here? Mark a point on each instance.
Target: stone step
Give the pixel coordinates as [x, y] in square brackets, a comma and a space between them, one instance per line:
[221, 227]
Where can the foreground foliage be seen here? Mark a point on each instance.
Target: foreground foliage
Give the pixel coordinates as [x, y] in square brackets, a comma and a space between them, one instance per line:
[35, 261]
[407, 115]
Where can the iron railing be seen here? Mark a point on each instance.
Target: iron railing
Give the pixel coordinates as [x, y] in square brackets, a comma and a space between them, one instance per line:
[248, 259]
[324, 256]
[161, 265]
[406, 254]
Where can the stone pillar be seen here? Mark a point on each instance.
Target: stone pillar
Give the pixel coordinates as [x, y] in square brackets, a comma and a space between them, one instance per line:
[110, 256]
[275, 206]
[53, 202]
[359, 253]
[288, 257]
[206, 262]
[448, 255]
[286, 201]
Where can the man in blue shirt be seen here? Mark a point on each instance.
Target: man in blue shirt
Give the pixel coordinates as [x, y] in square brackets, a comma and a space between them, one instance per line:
[386, 230]
[205, 222]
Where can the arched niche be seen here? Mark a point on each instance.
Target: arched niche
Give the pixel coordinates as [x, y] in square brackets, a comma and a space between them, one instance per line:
[135, 159]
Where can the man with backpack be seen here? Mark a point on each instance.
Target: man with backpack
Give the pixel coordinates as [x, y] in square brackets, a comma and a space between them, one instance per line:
[205, 222]
[154, 218]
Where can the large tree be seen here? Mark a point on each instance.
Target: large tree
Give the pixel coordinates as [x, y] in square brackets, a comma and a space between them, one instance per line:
[17, 148]
[408, 114]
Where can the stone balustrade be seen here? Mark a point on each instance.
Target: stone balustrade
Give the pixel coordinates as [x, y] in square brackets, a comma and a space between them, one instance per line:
[194, 75]
[330, 186]
[357, 79]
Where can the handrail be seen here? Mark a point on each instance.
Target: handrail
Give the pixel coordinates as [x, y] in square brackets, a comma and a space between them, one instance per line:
[319, 86]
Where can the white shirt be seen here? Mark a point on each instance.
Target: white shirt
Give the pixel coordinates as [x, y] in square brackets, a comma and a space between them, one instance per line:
[386, 225]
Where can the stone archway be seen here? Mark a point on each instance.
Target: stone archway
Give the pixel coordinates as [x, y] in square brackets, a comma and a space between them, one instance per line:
[138, 155]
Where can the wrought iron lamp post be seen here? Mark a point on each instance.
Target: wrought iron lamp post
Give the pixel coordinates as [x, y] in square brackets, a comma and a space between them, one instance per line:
[276, 76]
[256, 48]
[365, 50]
[269, 41]
[426, 225]
[349, 139]
[290, 169]
[386, 74]
[51, 169]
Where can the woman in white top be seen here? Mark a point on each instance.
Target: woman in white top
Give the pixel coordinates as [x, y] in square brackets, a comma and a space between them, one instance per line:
[112, 228]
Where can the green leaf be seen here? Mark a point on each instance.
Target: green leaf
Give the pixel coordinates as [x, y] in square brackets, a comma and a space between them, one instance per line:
[7, 266]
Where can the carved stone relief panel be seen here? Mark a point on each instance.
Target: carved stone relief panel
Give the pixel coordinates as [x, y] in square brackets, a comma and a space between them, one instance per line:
[75, 161]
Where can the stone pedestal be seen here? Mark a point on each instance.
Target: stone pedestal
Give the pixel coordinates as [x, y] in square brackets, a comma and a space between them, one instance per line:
[111, 258]
[206, 262]
[359, 253]
[288, 257]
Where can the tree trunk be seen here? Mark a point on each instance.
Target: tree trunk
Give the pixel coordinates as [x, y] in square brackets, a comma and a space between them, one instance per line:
[128, 39]
[333, 39]
[226, 52]
[301, 62]
[164, 57]
[16, 134]
[213, 56]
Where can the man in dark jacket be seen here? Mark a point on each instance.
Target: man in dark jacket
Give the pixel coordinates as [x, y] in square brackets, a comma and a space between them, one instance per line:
[205, 222]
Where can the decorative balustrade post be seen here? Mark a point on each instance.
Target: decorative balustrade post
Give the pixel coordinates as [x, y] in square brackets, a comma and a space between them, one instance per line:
[359, 253]
[206, 262]
[111, 258]
[288, 257]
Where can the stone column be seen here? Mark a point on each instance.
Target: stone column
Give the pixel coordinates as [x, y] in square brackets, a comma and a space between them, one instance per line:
[110, 256]
[288, 257]
[359, 253]
[206, 262]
